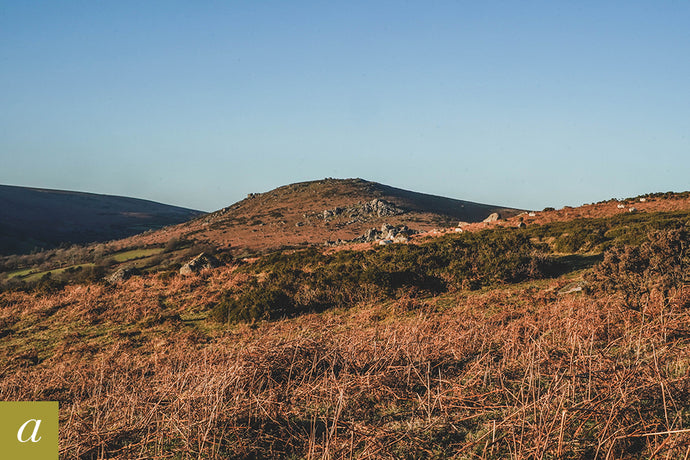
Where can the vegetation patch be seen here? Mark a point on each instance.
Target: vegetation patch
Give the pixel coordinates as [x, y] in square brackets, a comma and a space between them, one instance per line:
[286, 284]
[136, 254]
[598, 234]
[659, 267]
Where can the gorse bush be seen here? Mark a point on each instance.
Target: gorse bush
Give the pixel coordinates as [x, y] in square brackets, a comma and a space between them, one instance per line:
[293, 283]
[580, 239]
[660, 265]
[255, 303]
[499, 256]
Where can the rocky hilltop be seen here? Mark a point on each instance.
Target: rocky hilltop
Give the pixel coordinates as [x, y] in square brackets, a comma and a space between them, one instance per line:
[322, 212]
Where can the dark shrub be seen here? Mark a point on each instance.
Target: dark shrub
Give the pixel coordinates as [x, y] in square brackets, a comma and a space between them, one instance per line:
[48, 284]
[658, 265]
[253, 304]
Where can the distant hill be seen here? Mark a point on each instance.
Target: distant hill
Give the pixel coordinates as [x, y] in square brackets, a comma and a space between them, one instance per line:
[38, 218]
[318, 211]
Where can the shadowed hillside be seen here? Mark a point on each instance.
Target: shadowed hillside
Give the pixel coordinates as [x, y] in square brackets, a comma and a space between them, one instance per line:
[31, 217]
[319, 211]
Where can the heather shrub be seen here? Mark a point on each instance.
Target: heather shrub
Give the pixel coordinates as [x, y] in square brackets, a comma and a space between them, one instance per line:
[496, 257]
[659, 265]
[255, 303]
[48, 285]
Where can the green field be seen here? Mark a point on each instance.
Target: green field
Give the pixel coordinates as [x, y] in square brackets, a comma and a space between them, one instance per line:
[28, 275]
[20, 273]
[136, 254]
[31, 274]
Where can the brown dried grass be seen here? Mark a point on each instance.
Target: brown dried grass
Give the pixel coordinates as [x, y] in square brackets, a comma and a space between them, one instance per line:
[511, 373]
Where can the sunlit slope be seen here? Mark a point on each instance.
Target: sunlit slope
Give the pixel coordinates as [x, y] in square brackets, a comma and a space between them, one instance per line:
[314, 212]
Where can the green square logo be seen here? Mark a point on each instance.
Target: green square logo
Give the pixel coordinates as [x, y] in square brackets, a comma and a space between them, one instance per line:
[29, 430]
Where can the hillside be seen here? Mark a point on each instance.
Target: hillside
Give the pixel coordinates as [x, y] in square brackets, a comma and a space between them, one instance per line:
[309, 213]
[39, 218]
[564, 338]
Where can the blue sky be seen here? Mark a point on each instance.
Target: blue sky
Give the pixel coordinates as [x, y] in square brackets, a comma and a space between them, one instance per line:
[528, 104]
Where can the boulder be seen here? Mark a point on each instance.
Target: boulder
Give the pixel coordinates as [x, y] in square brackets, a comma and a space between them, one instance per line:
[388, 231]
[493, 217]
[371, 235]
[123, 274]
[400, 238]
[201, 262]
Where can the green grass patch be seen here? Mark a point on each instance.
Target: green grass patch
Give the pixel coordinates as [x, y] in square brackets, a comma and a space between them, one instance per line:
[58, 271]
[136, 254]
[20, 273]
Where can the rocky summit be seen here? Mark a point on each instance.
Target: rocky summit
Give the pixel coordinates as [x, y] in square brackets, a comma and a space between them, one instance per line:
[328, 210]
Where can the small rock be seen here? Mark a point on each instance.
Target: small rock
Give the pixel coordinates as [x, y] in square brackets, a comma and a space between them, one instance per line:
[572, 288]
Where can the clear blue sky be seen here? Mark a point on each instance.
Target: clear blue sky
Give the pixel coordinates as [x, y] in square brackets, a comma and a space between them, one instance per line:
[529, 104]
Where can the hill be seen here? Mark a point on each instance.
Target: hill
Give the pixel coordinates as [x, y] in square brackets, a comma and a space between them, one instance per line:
[39, 218]
[316, 212]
